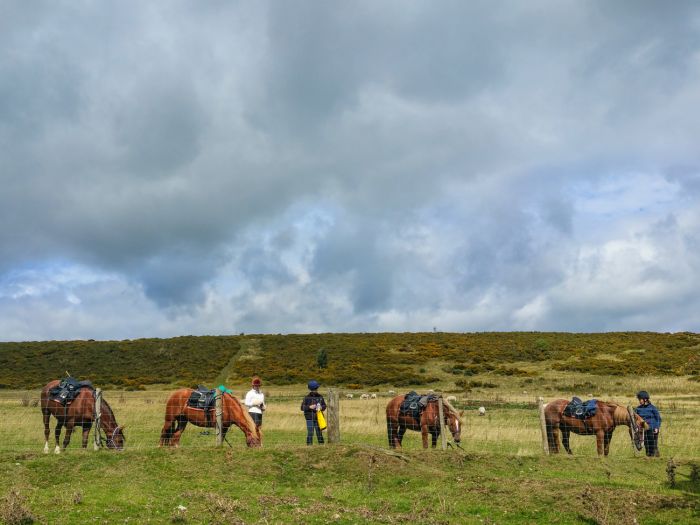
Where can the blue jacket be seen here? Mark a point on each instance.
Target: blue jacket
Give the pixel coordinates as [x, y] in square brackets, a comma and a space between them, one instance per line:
[650, 414]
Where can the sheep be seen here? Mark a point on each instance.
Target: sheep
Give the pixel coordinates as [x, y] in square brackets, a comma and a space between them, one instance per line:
[391, 393]
[364, 396]
[373, 396]
[348, 396]
[482, 411]
[451, 399]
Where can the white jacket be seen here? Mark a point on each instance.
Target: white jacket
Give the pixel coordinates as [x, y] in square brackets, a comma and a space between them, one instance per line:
[255, 401]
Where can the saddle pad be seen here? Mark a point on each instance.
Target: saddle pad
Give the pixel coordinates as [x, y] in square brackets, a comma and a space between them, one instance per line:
[202, 398]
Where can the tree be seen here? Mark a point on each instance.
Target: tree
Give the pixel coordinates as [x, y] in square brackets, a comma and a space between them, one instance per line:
[322, 358]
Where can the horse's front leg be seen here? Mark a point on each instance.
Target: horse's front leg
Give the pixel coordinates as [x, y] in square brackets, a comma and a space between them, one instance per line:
[606, 442]
[424, 434]
[86, 433]
[69, 432]
[57, 435]
[47, 430]
[565, 432]
[600, 442]
[434, 435]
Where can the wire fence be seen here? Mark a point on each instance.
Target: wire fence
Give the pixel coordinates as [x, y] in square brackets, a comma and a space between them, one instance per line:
[505, 424]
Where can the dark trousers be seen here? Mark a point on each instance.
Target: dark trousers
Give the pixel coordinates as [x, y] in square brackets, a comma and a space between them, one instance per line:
[651, 443]
[311, 425]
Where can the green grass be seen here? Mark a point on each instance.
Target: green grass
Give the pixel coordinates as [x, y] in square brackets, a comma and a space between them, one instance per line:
[343, 484]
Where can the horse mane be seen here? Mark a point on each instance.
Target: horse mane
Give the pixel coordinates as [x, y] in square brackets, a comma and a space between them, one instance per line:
[106, 409]
[246, 417]
[450, 408]
[620, 414]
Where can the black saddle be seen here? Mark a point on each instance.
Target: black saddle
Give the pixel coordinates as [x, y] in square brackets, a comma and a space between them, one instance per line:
[414, 403]
[68, 389]
[581, 409]
[202, 398]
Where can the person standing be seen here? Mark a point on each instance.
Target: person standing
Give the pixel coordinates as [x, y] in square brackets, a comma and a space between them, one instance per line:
[312, 403]
[650, 414]
[255, 401]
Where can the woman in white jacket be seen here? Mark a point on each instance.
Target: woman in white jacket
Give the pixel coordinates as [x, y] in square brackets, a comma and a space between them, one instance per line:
[255, 401]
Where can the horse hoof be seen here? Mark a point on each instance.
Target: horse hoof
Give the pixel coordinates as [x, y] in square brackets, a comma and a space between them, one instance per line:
[57, 450]
[46, 448]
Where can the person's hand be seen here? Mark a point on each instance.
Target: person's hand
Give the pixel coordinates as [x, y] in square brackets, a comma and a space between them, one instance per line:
[312, 407]
[656, 431]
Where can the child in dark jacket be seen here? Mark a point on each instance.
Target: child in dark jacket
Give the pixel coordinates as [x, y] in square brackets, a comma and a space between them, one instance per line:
[312, 403]
[650, 414]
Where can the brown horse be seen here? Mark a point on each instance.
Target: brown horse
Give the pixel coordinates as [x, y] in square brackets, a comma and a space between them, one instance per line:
[428, 423]
[79, 412]
[178, 414]
[602, 424]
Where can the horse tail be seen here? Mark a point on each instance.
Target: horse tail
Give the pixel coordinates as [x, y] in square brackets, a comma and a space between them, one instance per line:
[166, 434]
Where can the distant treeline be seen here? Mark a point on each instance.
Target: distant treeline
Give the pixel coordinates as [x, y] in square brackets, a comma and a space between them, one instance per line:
[352, 360]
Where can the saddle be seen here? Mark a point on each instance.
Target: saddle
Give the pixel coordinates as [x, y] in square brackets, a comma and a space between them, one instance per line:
[202, 398]
[68, 389]
[581, 409]
[414, 403]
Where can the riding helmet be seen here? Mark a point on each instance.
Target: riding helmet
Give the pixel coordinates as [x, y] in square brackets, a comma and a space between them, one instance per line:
[313, 385]
[256, 381]
[642, 394]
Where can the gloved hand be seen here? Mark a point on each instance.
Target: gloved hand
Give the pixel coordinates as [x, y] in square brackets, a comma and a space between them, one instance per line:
[656, 431]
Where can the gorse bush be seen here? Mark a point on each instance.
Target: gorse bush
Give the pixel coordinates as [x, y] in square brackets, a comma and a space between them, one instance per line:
[400, 359]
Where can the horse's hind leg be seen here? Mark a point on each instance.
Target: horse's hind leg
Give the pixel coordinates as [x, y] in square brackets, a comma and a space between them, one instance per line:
[553, 439]
[565, 433]
[606, 442]
[47, 416]
[181, 424]
[399, 435]
[166, 433]
[391, 433]
[86, 433]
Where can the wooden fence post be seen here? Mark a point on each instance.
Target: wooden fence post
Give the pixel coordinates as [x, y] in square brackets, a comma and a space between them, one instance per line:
[98, 418]
[333, 416]
[630, 412]
[219, 417]
[543, 425]
[441, 415]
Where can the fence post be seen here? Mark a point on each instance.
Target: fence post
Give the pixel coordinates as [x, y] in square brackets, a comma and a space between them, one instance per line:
[219, 417]
[441, 414]
[630, 413]
[98, 418]
[333, 416]
[543, 426]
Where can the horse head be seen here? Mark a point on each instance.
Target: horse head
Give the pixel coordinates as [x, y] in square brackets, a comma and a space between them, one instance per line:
[452, 419]
[116, 439]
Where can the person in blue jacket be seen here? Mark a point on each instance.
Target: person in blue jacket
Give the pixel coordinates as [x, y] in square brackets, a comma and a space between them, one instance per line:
[312, 403]
[650, 414]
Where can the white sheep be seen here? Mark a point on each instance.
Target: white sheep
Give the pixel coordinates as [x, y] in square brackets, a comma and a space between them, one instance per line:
[364, 396]
[373, 396]
[482, 411]
[348, 396]
[451, 399]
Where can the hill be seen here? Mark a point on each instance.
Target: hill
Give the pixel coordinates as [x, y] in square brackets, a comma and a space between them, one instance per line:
[359, 360]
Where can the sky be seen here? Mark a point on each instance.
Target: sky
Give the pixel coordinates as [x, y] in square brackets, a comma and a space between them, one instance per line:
[221, 167]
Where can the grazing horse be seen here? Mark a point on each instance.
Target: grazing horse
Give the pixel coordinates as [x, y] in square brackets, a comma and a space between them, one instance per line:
[178, 414]
[79, 412]
[428, 423]
[602, 424]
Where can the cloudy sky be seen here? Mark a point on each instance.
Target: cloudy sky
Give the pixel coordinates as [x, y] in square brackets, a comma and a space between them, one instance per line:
[215, 167]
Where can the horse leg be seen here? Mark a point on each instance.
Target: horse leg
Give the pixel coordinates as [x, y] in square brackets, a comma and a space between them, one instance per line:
[69, 432]
[390, 431]
[166, 433]
[57, 435]
[565, 432]
[399, 435]
[86, 433]
[181, 424]
[553, 438]
[434, 435]
[599, 440]
[424, 434]
[47, 430]
[606, 441]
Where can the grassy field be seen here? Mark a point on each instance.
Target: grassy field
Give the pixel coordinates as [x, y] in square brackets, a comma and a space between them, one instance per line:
[500, 476]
